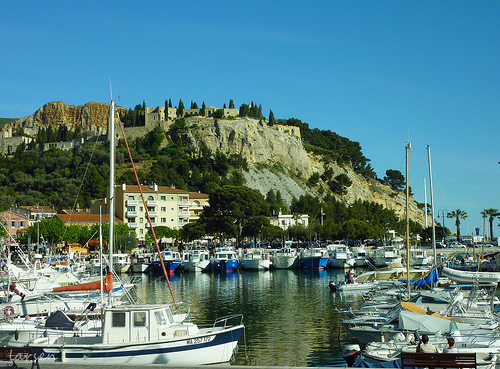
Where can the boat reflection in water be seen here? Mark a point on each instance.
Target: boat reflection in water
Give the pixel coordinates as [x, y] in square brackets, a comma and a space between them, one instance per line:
[290, 316]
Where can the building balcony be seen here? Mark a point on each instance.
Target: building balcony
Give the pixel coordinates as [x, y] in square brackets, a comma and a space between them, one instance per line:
[185, 203]
[153, 224]
[151, 203]
[133, 225]
[183, 213]
[131, 202]
[131, 214]
[153, 213]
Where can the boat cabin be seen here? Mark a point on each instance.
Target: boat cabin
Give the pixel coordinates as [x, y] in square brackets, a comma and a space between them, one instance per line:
[144, 323]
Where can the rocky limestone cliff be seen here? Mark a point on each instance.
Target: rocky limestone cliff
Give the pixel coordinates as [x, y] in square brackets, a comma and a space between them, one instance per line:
[278, 161]
[255, 141]
[90, 117]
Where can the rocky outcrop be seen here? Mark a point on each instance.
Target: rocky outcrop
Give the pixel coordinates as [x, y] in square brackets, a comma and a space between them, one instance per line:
[253, 140]
[278, 161]
[90, 117]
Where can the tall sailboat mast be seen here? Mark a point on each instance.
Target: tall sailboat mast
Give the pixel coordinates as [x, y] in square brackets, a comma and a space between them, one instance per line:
[408, 147]
[432, 206]
[111, 186]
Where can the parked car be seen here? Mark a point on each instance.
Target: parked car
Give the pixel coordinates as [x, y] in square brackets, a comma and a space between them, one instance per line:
[441, 245]
[456, 245]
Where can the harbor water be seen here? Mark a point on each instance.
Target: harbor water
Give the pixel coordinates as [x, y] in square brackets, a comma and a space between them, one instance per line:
[291, 318]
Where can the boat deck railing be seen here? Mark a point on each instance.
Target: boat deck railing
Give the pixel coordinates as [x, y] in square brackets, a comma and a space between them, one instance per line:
[228, 321]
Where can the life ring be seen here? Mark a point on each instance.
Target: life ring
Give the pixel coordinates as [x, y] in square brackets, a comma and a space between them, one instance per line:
[8, 311]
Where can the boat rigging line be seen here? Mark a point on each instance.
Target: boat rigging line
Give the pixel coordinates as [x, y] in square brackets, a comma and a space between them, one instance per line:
[147, 211]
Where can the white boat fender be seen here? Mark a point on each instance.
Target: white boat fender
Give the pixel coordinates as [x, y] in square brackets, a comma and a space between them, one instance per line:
[332, 286]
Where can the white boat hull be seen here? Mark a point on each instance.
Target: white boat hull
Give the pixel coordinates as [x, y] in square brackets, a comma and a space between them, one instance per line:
[463, 276]
[209, 348]
[286, 262]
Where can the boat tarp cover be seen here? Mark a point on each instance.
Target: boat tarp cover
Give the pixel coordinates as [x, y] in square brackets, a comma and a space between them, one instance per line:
[408, 306]
[361, 363]
[414, 321]
[429, 280]
[90, 286]
[59, 320]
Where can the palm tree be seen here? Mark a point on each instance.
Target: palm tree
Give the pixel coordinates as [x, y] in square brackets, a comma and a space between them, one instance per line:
[458, 214]
[492, 213]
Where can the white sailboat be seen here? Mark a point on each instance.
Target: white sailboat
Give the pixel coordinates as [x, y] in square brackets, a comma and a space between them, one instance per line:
[143, 334]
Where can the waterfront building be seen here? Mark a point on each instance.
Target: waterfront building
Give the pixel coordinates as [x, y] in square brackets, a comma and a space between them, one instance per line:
[287, 220]
[13, 222]
[166, 206]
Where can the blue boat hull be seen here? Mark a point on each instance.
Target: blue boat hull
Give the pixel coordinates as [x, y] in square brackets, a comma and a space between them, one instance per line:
[170, 265]
[314, 263]
[230, 265]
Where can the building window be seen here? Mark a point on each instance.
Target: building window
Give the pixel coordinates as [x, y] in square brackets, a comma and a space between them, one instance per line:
[131, 197]
[141, 208]
[171, 197]
[22, 224]
[164, 220]
[141, 231]
[163, 208]
[150, 198]
[163, 198]
[131, 220]
[171, 220]
[130, 208]
[141, 220]
[12, 224]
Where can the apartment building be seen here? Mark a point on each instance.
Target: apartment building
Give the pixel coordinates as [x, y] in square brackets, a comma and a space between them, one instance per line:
[166, 206]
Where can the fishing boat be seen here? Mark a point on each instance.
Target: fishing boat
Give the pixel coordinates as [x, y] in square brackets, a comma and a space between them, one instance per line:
[339, 256]
[171, 259]
[314, 258]
[196, 261]
[140, 263]
[145, 334]
[121, 263]
[385, 256]
[225, 259]
[285, 258]
[360, 256]
[255, 259]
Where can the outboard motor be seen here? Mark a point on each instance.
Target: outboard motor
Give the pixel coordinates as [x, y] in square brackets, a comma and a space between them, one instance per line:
[350, 353]
[333, 286]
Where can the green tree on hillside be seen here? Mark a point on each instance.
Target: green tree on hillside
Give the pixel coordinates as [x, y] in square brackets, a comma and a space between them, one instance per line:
[395, 179]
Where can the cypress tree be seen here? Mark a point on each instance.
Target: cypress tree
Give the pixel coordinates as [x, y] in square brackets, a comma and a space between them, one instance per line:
[180, 109]
[272, 121]
[231, 104]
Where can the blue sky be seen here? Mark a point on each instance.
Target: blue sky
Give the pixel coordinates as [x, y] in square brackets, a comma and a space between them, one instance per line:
[378, 72]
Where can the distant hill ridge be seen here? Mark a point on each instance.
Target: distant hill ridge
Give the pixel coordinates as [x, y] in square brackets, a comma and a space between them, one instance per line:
[276, 155]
